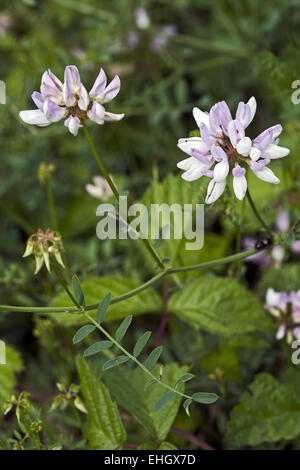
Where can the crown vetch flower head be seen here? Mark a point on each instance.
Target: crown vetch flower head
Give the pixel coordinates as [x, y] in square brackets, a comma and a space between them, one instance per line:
[224, 145]
[285, 306]
[71, 101]
[43, 245]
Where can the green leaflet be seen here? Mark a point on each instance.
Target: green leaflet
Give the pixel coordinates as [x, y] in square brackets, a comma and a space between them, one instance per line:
[128, 387]
[96, 288]
[269, 413]
[141, 343]
[121, 331]
[103, 307]
[163, 401]
[153, 357]
[97, 347]
[77, 290]
[205, 397]
[104, 426]
[82, 333]
[115, 362]
[8, 375]
[220, 305]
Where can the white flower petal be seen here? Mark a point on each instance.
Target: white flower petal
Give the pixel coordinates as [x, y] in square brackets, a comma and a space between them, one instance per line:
[265, 174]
[34, 117]
[221, 171]
[272, 297]
[186, 145]
[193, 173]
[187, 163]
[252, 104]
[275, 151]
[111, 117]
[201, 117]
[255, 154]
[240, 186]
[214, 191]
[280, 332]
[244, 146]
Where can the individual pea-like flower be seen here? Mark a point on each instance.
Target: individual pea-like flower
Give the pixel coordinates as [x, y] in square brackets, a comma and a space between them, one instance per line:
[71, 101]
[285, 306]
[224, 147]
[43, 245]
[100, 189]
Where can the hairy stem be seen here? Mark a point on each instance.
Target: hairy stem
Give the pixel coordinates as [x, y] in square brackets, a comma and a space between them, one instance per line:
[209, 264]
[257, 215]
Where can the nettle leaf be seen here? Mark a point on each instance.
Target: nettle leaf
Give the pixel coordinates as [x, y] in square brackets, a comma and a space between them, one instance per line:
[163, 401]
[184, 378]
[121, 331]
[103, 307]
[104, 427]
[115, 362]
[220, 305]
[82, 333]
[141, 343]
[97, 347]
[96, 288]
[223, 358]
[153, 357]
[128, 387]
[77, 290]
[269, 413]
[8, 372]
[205, 397]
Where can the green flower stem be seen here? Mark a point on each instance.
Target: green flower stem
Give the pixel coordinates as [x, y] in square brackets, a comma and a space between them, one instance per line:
[77, 415]
[153, 280]
[133, 358]
[51, 204]
[259, 218]
[36, 441]
[115, 191]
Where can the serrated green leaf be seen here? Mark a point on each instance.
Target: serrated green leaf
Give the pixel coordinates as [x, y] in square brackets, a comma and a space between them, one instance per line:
[153, 357]
[183, 379]
[103, 307]
[78, 290]
[186, 405]
[205, 398]
[97, 347]
[163, 401]
[125, 384]
[8, 375]
[115, 362]
[105, 429]
[96, 288]
[141, 343]
[220, 305]
[270, 412]
[82, 333]
[121, 331]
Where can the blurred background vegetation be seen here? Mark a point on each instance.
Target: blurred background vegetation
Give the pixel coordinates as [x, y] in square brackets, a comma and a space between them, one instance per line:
[190, 53]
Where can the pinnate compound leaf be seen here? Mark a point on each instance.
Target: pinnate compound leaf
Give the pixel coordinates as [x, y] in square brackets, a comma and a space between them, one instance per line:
[82, 333]
[105, 430]
[97, 347]
[121, 331]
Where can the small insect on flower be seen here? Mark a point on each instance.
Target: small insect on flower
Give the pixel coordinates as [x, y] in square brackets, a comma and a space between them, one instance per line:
[71, 101]
[100, 189]
[43, 245]
[285, 306]
[224, 144]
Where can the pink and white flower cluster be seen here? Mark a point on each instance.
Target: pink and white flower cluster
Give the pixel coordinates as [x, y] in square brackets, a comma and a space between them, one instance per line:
[71, 101]
[285, 306]
[224, 146]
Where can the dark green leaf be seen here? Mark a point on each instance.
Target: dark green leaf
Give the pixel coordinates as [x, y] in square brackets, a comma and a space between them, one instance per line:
[163, 401]
[77, 290]
[115, 362]
[97, 347]
[205, 398]
[153, 357]
[82, 333]
[121, 331]
[141, 343]
[103, 307]
[184, 378]
[186, 405]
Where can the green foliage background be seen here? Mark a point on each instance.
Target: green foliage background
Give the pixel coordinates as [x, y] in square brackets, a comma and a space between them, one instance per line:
[217, 327]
